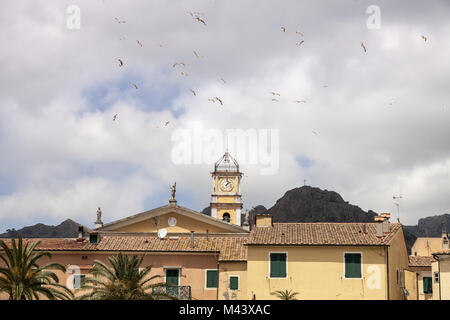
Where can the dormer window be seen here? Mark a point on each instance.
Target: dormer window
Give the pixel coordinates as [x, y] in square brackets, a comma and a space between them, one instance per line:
[93, 238]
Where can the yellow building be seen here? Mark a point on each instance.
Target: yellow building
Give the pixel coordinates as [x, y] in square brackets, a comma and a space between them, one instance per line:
[326, 260]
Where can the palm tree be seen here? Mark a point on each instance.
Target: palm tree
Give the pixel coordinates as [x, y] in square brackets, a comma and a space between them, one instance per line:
[125, 280]
[24, 279]
[285, 295]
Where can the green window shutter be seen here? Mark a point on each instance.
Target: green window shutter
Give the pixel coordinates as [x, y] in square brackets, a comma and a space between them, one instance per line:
[278, 265]
[234, 283]
[353, 265]
[427, 285]
[212, 278]
[93, 238]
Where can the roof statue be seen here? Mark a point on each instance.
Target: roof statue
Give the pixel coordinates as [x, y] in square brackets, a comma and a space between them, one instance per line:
[173, 188]
[98, 222]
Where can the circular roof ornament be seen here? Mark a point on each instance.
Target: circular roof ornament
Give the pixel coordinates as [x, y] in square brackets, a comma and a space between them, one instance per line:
[172, 221]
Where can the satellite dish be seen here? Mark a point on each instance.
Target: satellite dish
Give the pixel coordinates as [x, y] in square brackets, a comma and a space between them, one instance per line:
[162, 233]
[172, 221]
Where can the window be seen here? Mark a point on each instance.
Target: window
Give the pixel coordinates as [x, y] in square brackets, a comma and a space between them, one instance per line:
[212, 279]
[226, 217]
[93, 238]
[427, 285]
[77, 280]
[234, 283]
[278, 265]
[436, 277]
[352, 265]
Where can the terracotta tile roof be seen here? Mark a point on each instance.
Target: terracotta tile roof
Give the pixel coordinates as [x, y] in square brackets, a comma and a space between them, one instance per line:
[230, 248]
[331, 233]
[420, 261]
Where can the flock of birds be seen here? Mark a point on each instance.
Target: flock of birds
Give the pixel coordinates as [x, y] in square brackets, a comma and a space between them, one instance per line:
[197, 17]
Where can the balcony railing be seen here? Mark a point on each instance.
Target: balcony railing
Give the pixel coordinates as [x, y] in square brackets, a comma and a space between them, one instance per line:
[180, 292]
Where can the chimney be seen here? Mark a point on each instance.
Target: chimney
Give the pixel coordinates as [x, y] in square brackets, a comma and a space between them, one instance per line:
[386, 217]
[192, 239]
[379, 225]
[80, 234]
[246, 224]
[263, 220]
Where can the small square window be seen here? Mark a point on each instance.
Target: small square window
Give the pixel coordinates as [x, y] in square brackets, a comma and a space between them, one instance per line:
[93, 238]
[77, 278]
[436, 277]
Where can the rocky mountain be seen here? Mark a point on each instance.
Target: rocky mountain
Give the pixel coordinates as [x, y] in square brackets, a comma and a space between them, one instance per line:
[309, 204]
[66, 229]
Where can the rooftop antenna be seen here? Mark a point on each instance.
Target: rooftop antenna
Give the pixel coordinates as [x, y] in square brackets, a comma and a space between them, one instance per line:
[397, 203]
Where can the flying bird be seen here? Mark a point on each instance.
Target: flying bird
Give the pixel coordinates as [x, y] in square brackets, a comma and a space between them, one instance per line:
[179, 64]
[212, 100]
[300, 43]
[316, 133]
[183, 73]
[298, 32]
[200, 20]
[167, 122]
[300, 101]
[120, 21]
[223, 80]
[424, 38]
[283, 29]
[134, 85]
[273, 99]
[197, 55]
[363, 46]
[121, 38]
[114, 117]
[220, 101]
[161, 46]
[120, 62]
[274, 93]
[193, 92]
[139, 43]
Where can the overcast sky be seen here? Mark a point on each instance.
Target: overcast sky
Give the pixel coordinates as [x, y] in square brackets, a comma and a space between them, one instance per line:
[374, 124]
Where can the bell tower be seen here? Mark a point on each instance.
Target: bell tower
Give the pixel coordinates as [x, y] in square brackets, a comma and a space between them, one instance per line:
[226, 197]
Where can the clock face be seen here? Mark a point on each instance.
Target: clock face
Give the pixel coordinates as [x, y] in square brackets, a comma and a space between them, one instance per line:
[172, 221]
[226, 185]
